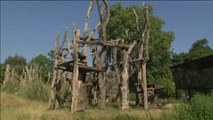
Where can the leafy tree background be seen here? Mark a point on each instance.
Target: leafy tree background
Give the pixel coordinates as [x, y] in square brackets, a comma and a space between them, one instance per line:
[17, 62]
[199, 48]
[44, 64]
[123, 19]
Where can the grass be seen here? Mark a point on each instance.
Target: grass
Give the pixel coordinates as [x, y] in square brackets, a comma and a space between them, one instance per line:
[19, 108]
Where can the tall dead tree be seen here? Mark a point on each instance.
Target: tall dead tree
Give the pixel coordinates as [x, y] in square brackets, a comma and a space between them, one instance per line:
[146, 57]
[125, 78]
[7, 73]
[86, 27]
[75, 82]
[53, 92]
[101, 78]
[143, 54]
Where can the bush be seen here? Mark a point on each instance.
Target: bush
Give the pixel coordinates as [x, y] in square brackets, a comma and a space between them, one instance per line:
[11, 86]
[32, 88]
[35, 90]
[200, 108]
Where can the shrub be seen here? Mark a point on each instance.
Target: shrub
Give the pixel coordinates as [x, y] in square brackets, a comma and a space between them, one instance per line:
[11, 86]
[35, 90]
[200, 108]
[28, 85]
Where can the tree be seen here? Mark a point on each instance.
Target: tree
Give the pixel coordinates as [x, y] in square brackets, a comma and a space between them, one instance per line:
[178, 58]
[45, 65]
[17, 62]
[2, 73]
[200, 48]
[51, 55]
[122, 22]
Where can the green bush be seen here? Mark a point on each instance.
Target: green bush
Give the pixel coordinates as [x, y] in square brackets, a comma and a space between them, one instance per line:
[200, 108]
[132, 96]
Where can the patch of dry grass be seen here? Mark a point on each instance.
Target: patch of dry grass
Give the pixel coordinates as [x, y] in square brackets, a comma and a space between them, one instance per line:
[17, 108]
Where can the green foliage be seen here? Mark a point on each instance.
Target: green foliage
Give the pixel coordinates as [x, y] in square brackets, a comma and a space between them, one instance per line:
[132, 96]
[200, 108]
[44, 64]
[178, 58]
[17, 62]
[34, 89]
[2, 73]
[199, 49]
[169, 87]
[51, 54]
[123, 19]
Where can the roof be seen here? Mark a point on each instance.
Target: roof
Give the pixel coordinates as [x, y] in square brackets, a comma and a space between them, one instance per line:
[204, 62]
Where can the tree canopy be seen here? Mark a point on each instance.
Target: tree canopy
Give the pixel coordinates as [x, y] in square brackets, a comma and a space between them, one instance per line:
[43, 63]
[123, 20]
[17, 62]
[199, 49]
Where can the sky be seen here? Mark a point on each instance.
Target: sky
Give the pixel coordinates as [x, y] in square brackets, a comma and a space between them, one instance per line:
[28, 28]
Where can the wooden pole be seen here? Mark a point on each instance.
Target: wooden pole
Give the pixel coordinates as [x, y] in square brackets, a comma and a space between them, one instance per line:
[125, 78]
[124, 83]
[144, 83]
[52, 97]
[7, 74]
[86, 27]
[75, 82]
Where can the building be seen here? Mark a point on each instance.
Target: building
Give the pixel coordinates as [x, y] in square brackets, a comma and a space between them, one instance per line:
[193, 76]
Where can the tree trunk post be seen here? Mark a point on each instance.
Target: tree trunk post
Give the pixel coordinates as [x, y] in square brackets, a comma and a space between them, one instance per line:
[144, 85]
[52, 97]
[75, 82]
[125, 83]
[125, 78]
[7, 74]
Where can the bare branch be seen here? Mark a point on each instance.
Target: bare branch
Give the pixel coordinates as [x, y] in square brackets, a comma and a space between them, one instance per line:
[136, 20]
[131, 47]
[147, 33]
[86, 27]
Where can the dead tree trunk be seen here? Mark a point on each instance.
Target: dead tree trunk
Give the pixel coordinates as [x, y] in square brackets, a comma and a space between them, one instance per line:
[118, 94]
[101, 80]
[124, 82]
[147, 30]
[75, 82]
[143, 54]
[125, 78]
[7, 73]
[86, 27]
[104, 20]
[53, 92]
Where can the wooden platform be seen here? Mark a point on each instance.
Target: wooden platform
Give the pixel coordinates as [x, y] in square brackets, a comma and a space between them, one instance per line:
[68, 66]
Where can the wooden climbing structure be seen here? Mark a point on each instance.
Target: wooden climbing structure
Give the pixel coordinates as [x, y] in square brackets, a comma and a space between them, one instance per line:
[72, 58]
